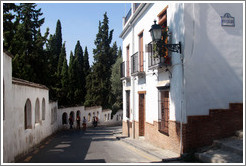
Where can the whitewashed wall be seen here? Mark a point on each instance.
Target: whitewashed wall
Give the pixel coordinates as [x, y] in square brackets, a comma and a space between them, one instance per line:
[16, 139]
[143, 24]
[7, 105]
[84, 111]
[213, 57]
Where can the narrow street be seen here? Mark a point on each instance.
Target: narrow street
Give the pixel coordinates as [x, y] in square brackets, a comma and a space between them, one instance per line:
[96, 145]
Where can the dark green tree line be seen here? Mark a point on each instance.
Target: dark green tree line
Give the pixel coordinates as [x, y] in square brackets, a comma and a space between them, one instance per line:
[42, 59]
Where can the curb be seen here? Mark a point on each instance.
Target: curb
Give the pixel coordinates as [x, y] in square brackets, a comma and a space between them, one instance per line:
[140, 148]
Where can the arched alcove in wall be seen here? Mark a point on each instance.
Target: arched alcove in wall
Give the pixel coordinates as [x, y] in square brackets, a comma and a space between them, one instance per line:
[28, 114]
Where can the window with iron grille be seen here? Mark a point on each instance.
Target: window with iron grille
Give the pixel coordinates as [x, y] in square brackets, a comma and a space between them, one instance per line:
[164, 110]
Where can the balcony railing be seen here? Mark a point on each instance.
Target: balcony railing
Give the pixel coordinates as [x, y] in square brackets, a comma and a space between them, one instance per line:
[155, 61]
[122, 70]
[137, 63]
[136, 6]
[128, 15]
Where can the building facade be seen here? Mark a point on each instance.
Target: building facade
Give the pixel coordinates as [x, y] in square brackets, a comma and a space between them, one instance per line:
[182, 101]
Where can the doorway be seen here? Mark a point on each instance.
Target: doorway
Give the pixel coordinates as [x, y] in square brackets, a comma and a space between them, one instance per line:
[141, 114]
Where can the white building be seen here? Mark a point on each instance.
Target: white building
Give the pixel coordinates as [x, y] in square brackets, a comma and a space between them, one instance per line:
[188, 100]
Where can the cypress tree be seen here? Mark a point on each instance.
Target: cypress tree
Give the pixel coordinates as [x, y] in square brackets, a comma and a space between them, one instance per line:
[116, 84]
[80, 76]
[58, 36]
[86, 63]
[71, 79]
[61, 59]
[100, 86]
[64, 83]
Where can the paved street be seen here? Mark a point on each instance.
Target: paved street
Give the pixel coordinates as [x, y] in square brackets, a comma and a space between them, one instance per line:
[96, 145]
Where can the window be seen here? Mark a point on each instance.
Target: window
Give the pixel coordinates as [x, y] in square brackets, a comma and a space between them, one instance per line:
[162, 16]
[127, 61]
[28, 114]
[163, 23]
[163, 110]
[128, 104]
[141, 60]
[37, 111]
[109, 117]
[43, 109]
[135, 6]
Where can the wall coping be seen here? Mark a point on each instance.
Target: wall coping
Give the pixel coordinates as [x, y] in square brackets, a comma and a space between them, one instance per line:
[19, 81]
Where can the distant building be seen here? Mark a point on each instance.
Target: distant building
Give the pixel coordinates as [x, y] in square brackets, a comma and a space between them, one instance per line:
[183, 101]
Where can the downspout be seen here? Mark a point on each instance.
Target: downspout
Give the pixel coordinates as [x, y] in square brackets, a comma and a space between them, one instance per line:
[133, 87]
[183, 80]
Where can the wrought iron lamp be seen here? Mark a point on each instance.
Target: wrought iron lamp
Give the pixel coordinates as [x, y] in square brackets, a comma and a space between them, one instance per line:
[156, 34]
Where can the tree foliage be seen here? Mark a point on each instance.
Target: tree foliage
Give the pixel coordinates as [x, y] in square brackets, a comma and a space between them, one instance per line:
[116, 84]
[98, 81]
[42, 59]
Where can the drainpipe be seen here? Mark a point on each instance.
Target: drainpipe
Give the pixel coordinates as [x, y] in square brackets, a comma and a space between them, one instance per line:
[183, 80]
[181, 111]
[133, 86]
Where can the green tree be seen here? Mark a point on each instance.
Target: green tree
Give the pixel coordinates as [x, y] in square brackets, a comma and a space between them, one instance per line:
[116, 84]
[98, 81]
[86, 63]
[54, 47]
[61, 59]
[71, 79]
[64, 83]
[9, 25]
[26, 45]
[79, 94]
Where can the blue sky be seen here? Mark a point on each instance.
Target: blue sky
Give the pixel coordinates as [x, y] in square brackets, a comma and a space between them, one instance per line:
[80, 21]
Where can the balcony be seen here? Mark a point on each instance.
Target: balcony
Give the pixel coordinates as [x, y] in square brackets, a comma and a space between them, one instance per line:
[135, 6]
[156, 61]
[128, 15]
[124, 71]
[137, 64]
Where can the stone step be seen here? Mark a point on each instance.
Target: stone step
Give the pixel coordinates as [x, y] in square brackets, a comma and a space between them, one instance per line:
[219, 156]
[232, 144]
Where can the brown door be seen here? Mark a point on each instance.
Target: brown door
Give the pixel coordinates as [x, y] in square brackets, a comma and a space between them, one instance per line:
[141, 114]
[141, 52]
[164, 111]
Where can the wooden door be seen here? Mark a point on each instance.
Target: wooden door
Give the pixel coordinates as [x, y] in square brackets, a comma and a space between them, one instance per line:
[164, 111]
[141, 52]
[141, 114]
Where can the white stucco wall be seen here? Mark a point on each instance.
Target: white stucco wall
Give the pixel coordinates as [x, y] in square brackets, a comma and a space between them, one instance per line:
[213, 57]
[7, 105]
[85, 111]
[16, 139]
[143, 24]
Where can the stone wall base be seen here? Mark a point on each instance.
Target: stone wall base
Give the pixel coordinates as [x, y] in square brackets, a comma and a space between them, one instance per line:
[197, 132]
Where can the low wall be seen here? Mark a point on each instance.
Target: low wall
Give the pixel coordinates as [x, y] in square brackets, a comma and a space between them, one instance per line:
[220, 123]
[104, 116]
